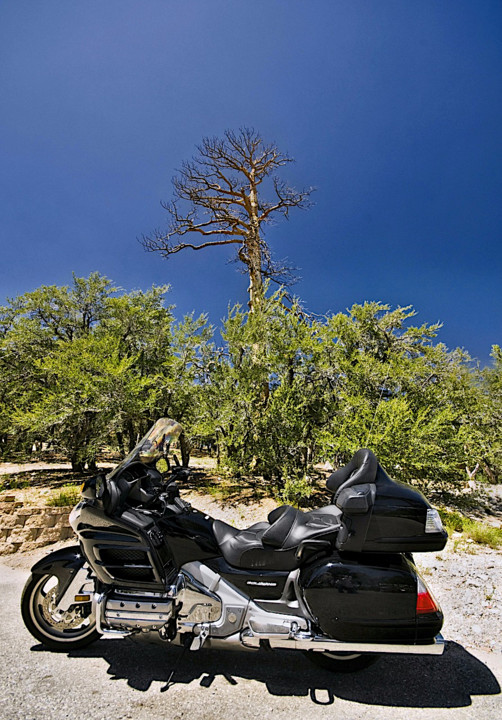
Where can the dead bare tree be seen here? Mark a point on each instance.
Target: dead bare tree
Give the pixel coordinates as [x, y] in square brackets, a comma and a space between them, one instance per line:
[217, 195]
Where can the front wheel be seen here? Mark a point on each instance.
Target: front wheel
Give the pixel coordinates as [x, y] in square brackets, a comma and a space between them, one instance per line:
[57, 630]
[342, 662]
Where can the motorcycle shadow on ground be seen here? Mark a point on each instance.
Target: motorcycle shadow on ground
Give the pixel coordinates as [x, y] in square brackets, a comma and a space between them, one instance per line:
[393, 680]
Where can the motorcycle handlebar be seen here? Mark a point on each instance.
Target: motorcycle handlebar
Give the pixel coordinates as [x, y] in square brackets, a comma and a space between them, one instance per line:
[180, 473]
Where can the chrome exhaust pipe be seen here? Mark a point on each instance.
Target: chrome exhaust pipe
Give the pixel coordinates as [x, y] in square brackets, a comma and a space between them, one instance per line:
[321, 644]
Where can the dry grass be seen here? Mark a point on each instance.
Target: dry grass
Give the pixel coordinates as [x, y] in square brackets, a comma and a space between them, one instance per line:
[479, 532]
[69, 495]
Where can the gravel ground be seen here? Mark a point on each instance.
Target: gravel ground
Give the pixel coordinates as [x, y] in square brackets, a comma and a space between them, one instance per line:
[468, 586]
[126, 679]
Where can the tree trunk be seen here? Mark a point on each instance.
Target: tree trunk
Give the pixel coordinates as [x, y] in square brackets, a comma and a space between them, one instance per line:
[255, 279]
[185, 447]
[471, 473]
[120, 442]
[91, 466]
[489, 472]
[254, 254]
[131, 435]
[77, 465]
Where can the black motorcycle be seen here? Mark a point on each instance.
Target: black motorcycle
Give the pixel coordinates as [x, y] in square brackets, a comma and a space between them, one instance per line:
[338, 582]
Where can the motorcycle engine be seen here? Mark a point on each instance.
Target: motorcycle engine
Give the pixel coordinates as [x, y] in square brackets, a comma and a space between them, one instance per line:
[131, 612]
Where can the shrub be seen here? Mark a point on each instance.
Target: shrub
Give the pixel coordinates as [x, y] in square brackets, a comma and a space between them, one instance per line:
[484, 534]
[11, 482]
[479, 532]
[69, 495]
[295, 489]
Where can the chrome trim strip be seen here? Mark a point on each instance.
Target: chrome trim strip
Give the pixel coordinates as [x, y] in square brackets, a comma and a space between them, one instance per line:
[299, 596]
[98, 609]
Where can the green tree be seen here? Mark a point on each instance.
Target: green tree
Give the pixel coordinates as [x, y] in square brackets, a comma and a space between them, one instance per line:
[268, 433]
[490, 418]
[87, 386]
[367, 377]
[396, 391]
[33, 326]
[88, 365]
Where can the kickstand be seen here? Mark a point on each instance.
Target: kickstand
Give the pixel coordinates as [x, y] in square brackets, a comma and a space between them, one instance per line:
[186, 645]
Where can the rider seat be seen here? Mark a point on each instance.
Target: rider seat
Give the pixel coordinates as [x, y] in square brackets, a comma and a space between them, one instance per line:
[361, 470]
[276, 544]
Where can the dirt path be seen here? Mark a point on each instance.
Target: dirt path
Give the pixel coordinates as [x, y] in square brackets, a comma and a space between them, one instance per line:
[8, 468]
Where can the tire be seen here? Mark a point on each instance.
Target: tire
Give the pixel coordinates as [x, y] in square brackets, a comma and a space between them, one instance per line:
[345, 662]
[61, 631]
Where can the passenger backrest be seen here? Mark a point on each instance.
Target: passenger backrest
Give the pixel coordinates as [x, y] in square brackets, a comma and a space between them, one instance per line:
[281, 522]
[361, 469]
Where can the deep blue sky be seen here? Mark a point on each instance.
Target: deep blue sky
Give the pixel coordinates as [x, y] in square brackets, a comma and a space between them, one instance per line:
[391, 108]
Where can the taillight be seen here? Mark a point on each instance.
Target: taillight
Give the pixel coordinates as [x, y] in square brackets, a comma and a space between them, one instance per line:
[425, 601]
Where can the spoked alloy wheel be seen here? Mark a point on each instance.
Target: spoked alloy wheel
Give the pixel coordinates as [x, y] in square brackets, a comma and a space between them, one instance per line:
[58, 630]
[342, 662]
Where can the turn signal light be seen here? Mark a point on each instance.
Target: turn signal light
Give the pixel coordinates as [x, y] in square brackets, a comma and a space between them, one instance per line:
[425, 601]
[433, 522]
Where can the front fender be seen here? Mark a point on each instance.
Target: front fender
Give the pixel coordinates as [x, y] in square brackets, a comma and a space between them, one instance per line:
[63, 563]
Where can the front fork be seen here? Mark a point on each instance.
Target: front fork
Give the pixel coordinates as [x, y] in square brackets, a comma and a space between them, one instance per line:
[80, 590]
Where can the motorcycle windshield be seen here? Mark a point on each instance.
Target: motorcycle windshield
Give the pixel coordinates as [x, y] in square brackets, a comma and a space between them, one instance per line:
[153, 446]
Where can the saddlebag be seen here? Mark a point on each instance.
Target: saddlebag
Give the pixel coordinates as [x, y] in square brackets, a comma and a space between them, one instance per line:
[369, 599]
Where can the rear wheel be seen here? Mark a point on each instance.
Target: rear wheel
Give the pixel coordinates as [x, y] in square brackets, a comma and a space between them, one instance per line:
[342, 662]
[69, 630]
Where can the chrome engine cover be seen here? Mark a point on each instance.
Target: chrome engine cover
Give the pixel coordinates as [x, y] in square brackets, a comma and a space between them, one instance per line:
[200, 601]
[237, 612]
[130, 612]
[198, 605]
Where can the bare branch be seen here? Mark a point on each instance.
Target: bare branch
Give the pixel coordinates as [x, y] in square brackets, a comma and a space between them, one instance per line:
[219, 193]
[161, 244]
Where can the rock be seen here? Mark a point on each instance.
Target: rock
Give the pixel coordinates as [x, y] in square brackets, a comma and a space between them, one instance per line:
[9, 521]
[9, 548]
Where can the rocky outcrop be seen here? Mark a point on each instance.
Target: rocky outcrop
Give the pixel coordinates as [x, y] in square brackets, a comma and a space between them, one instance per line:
[26, 528]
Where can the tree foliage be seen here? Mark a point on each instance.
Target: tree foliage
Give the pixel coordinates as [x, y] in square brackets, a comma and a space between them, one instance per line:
[87, 366]
[367, 377]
